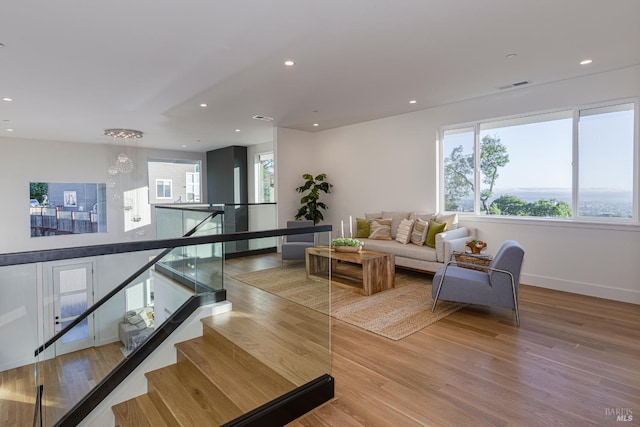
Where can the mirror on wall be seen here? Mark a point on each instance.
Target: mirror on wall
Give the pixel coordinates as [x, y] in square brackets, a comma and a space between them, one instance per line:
[57, 208]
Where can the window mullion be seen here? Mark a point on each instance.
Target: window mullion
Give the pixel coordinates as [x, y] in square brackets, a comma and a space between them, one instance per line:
[476, 169]
[575, 166]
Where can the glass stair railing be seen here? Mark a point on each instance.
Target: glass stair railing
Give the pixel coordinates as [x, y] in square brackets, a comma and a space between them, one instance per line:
[91, 351]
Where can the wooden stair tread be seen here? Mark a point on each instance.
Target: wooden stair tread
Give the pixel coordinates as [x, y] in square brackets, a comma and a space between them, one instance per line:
[138, 412]
[240, 376]
[297, 358]
[189, 396]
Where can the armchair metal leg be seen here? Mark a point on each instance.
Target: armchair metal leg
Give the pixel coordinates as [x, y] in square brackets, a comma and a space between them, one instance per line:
[515, 301]
[435, 300]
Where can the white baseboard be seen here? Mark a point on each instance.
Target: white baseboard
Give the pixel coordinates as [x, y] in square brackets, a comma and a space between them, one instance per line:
[583, 288]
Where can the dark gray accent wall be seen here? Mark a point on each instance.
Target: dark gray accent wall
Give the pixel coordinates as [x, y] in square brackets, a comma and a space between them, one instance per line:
[224, 183]
[227, 184]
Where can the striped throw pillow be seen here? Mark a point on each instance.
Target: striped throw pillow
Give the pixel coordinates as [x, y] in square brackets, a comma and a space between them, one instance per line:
[381, 229]
[419, 233]
[403, 235]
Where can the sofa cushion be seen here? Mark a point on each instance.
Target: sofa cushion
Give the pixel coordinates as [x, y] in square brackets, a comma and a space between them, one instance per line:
[396, 216]
[381, 229]
[404, 231]
[450, 219]
[423, 216]
[363, 228]
[434, 228]
[419, 232]
[422, 253]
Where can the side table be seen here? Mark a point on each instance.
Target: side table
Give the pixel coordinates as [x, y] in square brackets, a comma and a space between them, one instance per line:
[478, 260]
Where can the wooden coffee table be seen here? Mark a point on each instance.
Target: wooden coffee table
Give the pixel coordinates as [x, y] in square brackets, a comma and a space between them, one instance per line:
[377, 270]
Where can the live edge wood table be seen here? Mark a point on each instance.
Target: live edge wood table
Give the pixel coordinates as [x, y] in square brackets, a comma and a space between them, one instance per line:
[377, 270]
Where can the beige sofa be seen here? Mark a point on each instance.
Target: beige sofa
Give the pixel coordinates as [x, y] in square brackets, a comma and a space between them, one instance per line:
[412, 256]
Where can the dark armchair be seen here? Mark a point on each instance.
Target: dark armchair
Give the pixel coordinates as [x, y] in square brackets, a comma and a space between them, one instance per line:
[497, 286]
[293, 246]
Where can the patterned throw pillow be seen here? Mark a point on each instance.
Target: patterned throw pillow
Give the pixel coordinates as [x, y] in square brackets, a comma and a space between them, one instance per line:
[363, 228]
[381, 229]
[419, 233]
[403, 235]
[434, 228]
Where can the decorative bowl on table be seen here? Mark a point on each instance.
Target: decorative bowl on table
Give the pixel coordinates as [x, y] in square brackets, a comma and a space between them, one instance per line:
[475, 246]
[345, 244]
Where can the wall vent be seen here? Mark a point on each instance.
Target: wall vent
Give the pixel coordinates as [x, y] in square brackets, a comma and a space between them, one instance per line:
[263, 118]
[516, 84]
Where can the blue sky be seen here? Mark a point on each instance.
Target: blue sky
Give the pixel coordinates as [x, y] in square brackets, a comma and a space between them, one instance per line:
[540, 154]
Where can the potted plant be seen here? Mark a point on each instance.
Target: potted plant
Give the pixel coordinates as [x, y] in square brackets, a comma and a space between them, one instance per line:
[346, 244]
[311, 206]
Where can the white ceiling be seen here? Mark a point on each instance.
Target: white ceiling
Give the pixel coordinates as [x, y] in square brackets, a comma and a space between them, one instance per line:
[76, 67]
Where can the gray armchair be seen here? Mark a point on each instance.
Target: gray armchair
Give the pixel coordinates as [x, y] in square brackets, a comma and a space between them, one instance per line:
[293, 246]
[498, 286]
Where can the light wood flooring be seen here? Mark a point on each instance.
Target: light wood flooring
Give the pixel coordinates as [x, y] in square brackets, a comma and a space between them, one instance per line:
[574, 361]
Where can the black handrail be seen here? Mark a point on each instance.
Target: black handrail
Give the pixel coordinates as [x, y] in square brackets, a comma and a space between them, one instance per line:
[117, 289]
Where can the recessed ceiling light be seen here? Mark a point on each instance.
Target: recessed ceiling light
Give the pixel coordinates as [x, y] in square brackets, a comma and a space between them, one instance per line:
[316, 125]
[237, 130]
[203, 105]
[413, 101]
[7, 99]
[586, 62]
[289, 63]
[9, 130]
[511, 55]
[184, 145]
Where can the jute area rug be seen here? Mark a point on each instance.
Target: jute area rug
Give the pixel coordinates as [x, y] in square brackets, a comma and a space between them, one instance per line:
[394, 313]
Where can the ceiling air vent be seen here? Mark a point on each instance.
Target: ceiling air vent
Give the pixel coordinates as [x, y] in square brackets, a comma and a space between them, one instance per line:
[516, 84]
[263, 118]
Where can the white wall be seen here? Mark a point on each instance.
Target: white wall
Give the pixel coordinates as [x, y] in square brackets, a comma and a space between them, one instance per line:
[26, 161]
[391, 164]
[294, 153]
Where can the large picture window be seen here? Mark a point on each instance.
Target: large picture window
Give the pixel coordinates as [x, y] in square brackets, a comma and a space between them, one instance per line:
[605, 174]
[563, 164]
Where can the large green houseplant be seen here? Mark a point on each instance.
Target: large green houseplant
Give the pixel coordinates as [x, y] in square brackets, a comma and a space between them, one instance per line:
[311, 206]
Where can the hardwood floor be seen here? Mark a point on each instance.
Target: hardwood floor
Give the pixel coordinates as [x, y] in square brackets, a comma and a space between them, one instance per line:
[66, 380]
[572, 362]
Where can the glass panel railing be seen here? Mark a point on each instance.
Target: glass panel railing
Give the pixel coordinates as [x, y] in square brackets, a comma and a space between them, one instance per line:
[289, 333]
[289, 310]
[80, 358]
[20, 317]
[198, 266]
[177, 220]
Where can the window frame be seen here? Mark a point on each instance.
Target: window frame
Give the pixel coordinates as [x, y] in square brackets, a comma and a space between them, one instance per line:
[476, 125]
[259, 183]
[164, 180]
[196, 184]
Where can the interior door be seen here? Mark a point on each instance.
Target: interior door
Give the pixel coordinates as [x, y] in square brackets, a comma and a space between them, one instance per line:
[73, 294]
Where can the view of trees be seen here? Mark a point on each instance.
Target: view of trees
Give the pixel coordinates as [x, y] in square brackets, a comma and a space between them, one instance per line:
[459, 183]
[37, 190]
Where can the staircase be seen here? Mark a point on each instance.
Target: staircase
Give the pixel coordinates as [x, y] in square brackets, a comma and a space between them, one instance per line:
[237, 365]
